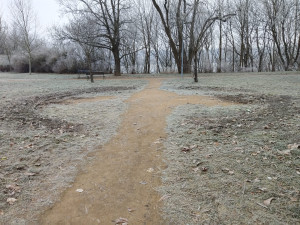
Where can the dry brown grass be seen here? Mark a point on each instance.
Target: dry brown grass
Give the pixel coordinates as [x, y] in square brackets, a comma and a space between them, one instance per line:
[44, 143]
[224, 163]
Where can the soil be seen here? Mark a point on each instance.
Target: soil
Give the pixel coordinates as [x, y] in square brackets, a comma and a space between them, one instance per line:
[121, 181]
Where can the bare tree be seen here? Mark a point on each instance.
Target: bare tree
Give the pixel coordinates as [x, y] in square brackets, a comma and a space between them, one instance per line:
[283, 23]
[146, 18]
[130, 48]
[189, 22]
[24, 21]
[80, 30]
[109, 18]
[2, 34]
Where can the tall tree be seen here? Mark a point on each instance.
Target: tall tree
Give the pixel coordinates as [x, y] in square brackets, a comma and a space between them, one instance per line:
[283, 23]
[186, 22]
[146, 18]
[109, 19]
[80, 30]
[2, 34]
[24, 21]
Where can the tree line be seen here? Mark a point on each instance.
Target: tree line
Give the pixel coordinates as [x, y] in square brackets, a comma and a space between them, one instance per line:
[140, 36]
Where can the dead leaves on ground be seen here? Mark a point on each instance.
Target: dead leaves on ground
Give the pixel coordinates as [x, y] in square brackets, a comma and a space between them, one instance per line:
[164, 198]
[11, 201]
[268, 201]
[131, 210]
[294, 146]
[121, 221]
[292, 149]
[13, 187]
[150, 170]
[189, 148]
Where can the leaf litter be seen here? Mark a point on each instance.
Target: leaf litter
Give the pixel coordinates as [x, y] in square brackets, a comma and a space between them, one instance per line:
[121, 221]
[44, 141]
[253, 154]
[268, 201]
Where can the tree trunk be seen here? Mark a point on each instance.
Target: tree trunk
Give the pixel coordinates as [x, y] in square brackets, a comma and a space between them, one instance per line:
[90, 69]
[116, 53]
[260, 62]
[187, 65]
[195, 69]
[147, 60]
[219, 70]
[29, 62]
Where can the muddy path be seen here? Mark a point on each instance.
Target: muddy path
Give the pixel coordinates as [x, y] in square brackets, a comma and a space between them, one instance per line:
[121, 180]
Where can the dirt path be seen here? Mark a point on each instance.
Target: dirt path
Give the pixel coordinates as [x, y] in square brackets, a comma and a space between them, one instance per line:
[119, 182]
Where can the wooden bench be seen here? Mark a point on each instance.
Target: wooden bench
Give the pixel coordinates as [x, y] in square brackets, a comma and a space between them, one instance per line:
[102, 73]
[79, 72]
[88, 73]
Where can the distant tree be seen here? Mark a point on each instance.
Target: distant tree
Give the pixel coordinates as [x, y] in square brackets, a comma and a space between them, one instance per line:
[24, 22]
[283, 23]
[2, 35]
[8, 42]
[81, 29]
[187, 22]
[145, 25]
[109, 19]
[130, 47]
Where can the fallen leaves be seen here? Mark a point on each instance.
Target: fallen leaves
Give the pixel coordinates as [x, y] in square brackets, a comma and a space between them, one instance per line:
[256, 180]
[286, 152]
[11, 190]
[11, 201]
[293, 199]
[13, 187]
[226, 170]
[150, 170]
[261, 205]
[121, 221]
[204, 169]
[164, 198]
[262, 189]
[294, 146]
[196, 169]
[29, 174]
[131, 210]
[231, 172]
[268, 201]
[188, 148]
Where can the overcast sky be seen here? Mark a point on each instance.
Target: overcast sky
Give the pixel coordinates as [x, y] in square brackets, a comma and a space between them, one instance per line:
[47, 11]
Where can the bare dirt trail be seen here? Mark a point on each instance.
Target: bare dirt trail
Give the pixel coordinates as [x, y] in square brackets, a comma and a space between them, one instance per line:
[119, 181]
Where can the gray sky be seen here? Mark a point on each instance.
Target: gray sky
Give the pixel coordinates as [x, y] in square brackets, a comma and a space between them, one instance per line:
[47, 11]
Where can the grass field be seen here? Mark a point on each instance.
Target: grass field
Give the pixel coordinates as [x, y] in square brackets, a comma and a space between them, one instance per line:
[238, 164]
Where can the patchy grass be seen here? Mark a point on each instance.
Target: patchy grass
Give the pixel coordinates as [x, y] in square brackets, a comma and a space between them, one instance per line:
[224, 163]
[44, 142]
